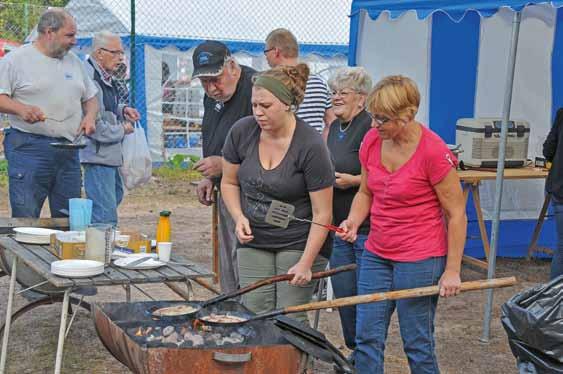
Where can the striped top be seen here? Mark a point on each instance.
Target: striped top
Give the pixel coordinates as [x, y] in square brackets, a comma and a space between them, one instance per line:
[315, 103]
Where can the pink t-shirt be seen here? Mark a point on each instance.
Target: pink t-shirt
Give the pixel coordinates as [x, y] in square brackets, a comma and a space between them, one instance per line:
[407, 220]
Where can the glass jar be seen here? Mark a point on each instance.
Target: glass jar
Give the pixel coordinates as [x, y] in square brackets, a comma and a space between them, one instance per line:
[99, 243]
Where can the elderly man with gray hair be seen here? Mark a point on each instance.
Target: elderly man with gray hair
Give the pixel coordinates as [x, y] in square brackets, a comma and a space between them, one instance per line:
[48, 99]
[103, 154]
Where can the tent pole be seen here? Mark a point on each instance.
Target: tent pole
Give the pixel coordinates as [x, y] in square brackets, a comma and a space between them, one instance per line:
[500, 172]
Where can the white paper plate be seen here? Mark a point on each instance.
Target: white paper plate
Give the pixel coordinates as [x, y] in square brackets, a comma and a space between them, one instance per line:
[35, 231]
[118, 254]
[34, 235]
[147, 265]
[77, 268]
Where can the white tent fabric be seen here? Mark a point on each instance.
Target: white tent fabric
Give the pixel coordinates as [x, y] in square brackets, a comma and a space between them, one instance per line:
[403, 46]
[390, 47]
[531, 95]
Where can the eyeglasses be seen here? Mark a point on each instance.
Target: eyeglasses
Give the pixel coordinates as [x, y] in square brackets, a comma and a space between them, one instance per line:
[342, 93]
[379, 120]
[114, 53]
[268, 50]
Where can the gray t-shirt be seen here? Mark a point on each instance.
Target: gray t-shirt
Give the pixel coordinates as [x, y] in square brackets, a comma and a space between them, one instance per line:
[57, 86]
[305, 168]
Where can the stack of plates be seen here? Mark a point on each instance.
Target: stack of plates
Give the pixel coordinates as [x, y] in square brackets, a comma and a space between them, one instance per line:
[77, 268]
[34, 235]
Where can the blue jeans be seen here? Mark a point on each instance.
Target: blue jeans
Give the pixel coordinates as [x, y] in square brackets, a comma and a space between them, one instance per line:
[416, 315]
[557, 261]
[345, 284]
[37, 171]
[104, 187]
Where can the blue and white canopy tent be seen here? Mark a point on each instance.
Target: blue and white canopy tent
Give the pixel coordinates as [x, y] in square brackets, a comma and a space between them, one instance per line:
[167, 31]
[474, 59]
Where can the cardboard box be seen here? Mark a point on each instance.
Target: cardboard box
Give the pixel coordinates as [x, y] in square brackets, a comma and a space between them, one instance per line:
[68, 245]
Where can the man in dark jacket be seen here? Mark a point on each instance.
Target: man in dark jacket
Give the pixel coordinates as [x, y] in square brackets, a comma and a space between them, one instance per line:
[103, 155]
[228, 90]
[553, 152]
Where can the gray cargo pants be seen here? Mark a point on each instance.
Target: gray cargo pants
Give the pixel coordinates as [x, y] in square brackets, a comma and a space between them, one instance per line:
[228, 267]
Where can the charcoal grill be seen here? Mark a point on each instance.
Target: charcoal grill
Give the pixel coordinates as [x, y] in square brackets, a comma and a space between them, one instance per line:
[135, 339]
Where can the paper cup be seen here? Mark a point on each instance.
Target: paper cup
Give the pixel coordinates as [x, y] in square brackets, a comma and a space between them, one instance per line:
[164, 249]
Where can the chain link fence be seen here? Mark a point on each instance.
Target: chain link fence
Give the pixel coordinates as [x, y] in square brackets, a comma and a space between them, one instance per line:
[159, 38]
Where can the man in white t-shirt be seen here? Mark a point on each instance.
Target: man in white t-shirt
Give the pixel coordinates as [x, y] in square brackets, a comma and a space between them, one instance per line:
[48, 99]
[316, 108]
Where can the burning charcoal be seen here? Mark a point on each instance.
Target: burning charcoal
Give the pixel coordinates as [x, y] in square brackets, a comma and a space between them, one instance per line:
[194, 339]
[168, 330]
[197, 340]
[172, 338]
[213, 338]
[236, 335]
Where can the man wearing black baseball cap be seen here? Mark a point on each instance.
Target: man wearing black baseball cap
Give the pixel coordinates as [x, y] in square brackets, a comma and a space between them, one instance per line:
[228, 90]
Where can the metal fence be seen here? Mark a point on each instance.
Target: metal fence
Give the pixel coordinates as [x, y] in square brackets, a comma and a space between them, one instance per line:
[159, 37]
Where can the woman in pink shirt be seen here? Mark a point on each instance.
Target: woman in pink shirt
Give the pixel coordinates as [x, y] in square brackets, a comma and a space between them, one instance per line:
[412, 193]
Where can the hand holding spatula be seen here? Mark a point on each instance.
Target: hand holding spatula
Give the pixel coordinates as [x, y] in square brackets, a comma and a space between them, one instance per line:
[279, 214]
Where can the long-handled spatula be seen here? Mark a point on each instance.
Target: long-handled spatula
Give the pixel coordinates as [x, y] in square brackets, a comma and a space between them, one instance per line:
[279, 214]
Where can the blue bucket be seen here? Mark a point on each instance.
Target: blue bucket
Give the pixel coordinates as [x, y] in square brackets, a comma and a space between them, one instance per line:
[80, 214]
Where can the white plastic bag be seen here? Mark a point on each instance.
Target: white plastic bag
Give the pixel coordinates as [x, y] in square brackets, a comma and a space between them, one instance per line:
[137, 163]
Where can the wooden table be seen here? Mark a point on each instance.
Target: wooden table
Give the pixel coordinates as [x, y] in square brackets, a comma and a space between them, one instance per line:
[471, 179]
[39, 258]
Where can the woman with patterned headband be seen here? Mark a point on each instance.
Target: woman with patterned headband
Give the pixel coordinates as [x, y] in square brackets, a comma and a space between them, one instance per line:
[274, 155]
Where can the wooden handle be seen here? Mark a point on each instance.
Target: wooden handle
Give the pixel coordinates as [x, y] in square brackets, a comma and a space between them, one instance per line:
[276, 279]
[396, 295]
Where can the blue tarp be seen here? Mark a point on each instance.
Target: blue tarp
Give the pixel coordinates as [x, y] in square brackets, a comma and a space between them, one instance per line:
[456, 9]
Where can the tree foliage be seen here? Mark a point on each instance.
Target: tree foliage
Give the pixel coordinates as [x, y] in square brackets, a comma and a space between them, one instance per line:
[18, 18]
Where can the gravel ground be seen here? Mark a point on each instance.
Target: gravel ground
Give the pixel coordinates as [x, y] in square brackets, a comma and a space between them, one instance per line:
[458, 323]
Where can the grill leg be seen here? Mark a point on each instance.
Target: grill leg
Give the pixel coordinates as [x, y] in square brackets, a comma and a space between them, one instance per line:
[10, 305]
[62, 329]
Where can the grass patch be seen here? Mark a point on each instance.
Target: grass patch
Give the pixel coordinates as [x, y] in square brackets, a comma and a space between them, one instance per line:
[176, 174]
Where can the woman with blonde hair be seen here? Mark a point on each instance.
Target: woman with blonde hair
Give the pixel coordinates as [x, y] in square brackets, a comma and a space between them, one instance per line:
[274, 155]
[350, 87]
[412, 193]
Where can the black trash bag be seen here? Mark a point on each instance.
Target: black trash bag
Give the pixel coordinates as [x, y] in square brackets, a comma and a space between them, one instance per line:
[533, 320]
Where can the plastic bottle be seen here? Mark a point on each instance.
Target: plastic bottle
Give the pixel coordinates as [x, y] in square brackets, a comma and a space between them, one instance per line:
[163, 229]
